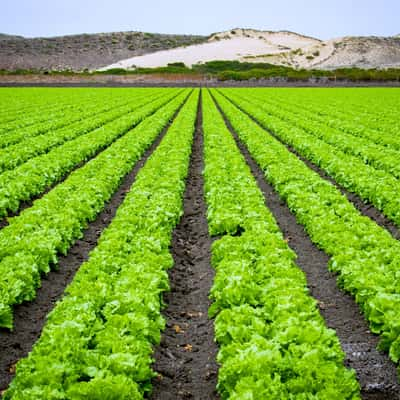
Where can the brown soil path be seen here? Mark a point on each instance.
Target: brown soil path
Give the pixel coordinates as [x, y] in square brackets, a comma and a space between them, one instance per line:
[185, 360]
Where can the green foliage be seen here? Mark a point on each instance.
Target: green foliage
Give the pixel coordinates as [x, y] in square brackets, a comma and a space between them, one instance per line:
[98, 340]
[35, 238]
[177, 64]
[67, 123]
[221, 66]
[240, 71]
[364, 255]
[273, 342]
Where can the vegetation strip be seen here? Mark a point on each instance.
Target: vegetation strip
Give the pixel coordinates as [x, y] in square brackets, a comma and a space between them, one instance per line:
[364, 255]
[62, 117]
[16, 154]
[377, 156]
[101, 334]
[185, 360]
[355, 113]
[376, 374]
[29, 317]
[34, 238]
[42, 114]
[378, 187]
[365, 209]
[34, 176]
[274, 343]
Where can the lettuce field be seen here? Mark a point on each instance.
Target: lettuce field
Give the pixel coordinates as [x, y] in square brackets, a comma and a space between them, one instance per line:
[178, 243]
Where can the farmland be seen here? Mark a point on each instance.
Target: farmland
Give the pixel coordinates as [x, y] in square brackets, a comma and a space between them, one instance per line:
[183, 243]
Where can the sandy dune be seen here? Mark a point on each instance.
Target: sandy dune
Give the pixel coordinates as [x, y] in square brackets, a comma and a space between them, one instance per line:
[240, 45]
[282, 48]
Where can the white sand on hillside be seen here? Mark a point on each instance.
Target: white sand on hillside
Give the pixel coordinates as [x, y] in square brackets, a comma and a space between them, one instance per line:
[226, 49]
[230, 45]
[281, 47]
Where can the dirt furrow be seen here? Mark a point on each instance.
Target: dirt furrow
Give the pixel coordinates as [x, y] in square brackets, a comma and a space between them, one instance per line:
[30, 317]
[376, 373]
[185, 359]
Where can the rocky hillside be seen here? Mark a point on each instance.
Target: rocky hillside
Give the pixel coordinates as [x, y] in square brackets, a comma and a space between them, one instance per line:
[138, 49]
[78, 52]
[361, 52]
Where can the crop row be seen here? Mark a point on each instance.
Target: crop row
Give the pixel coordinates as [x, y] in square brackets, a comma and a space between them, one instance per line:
[273, 342]
[32, 106]
[37, 174]
[49, 111]
[378, 156]
[365, 256]
[47, 116]
[378, 187]
[34, 238]
[15, 100]
[358, 112]
[66, 117]
[14, 155]
[98, 340]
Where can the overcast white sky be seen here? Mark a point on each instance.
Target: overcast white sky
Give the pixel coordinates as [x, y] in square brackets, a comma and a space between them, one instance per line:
[319, 18]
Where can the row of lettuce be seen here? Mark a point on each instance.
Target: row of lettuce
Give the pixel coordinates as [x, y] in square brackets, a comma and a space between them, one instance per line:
[48, 109]
[64, 117]
[23, 107]
[375, 185]
[364, 255]
[33, 177]
[357, 111]
[98, 340]
[273, 342]
[379, 149]
[33, 145]
[34, 239]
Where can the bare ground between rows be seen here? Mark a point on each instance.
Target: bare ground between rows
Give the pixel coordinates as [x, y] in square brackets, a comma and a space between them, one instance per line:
[185, 359]
[168, 80]
[375, 372]
[24, 204]
[30, 317]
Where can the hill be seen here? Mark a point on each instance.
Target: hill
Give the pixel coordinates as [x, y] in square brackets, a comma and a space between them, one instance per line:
[129, 50]
[281, 48]
[85, 51]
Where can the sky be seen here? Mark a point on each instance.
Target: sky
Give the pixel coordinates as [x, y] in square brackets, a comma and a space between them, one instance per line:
[319, 18]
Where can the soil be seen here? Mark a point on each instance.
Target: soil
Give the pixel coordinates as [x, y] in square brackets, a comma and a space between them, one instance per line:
[29, 317]
[375, 372]
[185, 359]
[166, 80]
